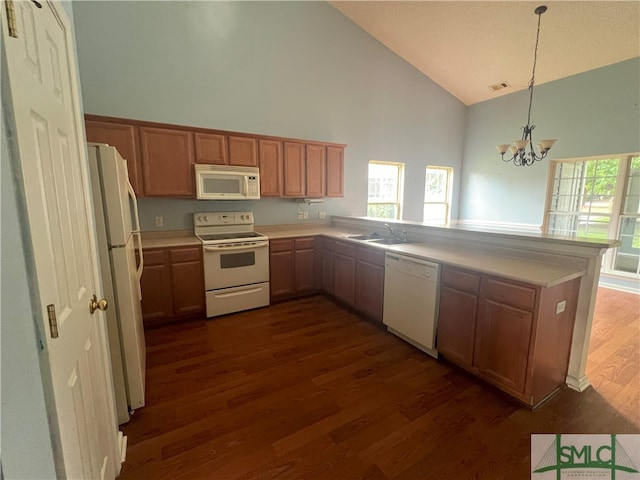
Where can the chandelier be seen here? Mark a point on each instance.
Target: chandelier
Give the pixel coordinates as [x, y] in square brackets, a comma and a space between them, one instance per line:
[518, 149]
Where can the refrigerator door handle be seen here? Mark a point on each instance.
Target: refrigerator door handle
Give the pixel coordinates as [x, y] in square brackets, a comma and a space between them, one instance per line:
[132, 198]
[138, 240]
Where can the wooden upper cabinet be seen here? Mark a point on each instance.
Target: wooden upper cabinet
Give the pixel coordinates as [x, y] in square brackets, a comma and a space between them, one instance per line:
[243, 151]
[211, 148]
[294, 169]
[270, 155]
[167, 159]
[125, 139]
[160, 158]
[316, 171]
[335, 171]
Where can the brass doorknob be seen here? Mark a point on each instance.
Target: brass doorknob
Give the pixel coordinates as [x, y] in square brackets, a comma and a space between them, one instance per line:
[95, 304]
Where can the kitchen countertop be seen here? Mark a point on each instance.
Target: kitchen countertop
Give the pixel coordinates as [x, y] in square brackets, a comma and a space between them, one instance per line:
[169, 238]
[509, 267]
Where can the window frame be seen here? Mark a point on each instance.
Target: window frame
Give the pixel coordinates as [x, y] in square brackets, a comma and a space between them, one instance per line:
[616, 216]
[399, 187]
[448, 194]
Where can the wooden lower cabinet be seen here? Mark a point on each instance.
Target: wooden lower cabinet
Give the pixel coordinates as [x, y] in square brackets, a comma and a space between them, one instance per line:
[369, 297]
[291, 267]
[344, 272]
[157, 300]
[506, 332]
[457, 313]
[172, 284]
[327, 266]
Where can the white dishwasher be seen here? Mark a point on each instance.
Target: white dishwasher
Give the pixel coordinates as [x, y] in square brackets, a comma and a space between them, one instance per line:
[411, 290]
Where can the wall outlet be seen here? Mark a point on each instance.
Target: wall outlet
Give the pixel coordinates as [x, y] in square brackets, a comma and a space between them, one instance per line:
[305, 215]
[322, 214]
[159, 221]
[300, 215]
[561, 306]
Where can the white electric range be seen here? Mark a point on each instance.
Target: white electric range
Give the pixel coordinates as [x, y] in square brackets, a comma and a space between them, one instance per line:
[236, 262]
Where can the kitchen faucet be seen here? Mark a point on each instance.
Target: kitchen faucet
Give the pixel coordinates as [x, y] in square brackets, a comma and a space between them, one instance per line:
[391, 230]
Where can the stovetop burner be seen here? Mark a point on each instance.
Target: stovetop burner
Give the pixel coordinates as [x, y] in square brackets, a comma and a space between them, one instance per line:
[226, 228]
[228, 236]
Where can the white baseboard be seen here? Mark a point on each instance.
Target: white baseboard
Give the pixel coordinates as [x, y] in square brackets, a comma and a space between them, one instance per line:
[578, 384]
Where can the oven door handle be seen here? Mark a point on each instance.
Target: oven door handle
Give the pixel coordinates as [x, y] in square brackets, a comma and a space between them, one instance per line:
[219, 248]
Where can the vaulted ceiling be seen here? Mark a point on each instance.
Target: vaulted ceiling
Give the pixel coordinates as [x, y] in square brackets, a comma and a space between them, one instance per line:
[466, 46]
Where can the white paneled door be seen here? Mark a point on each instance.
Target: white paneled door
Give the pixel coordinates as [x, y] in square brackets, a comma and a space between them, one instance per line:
[47, 135]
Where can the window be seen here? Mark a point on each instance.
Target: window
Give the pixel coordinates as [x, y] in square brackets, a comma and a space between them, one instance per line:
[437, 195]
[385, 189]
[599, 199]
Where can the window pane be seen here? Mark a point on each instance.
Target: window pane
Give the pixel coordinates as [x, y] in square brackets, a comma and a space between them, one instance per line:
[594, 227]
[383, 183]
[382, 210]
[628, 253]
[562, 224]
[435, 213]
[632, 197]
[586, 190]
[435, 189]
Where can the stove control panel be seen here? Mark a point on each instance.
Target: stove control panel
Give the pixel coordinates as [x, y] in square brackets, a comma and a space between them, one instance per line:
[222, 218]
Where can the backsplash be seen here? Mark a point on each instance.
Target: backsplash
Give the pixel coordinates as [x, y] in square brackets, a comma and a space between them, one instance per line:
[177, 214]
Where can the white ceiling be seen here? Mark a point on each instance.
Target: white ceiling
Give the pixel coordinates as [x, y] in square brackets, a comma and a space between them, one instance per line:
[465, 46]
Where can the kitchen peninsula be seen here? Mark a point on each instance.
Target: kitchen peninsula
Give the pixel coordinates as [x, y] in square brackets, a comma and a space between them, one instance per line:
[537, 261]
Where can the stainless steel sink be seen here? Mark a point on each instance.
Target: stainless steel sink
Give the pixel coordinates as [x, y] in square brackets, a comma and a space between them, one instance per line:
[371, 236]
[388, 241]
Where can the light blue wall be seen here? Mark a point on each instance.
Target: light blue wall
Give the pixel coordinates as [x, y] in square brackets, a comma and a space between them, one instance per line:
[594, 113]
[294, 69]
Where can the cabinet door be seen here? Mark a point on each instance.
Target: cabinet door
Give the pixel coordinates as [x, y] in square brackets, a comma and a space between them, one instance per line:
[187, 281]
[167, 159]
[270, 154]
[305, 264]
[211, 148]
[157, 303]
[281, 268]
[243, 151]
[369, 289]
[294, 170]
[457, 325]
[327, 266]
[335, 171]
[125, 139]
[502, 344]
[316, 171]
[344, 273]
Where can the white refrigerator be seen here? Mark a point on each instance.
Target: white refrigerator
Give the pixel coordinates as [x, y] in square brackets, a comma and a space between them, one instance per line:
[118, 231]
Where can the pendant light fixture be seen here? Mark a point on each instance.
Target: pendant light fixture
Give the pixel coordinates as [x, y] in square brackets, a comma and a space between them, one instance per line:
[520, 154]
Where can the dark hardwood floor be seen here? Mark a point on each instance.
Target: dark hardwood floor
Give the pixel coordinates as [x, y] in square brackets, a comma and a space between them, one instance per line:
[307, 390]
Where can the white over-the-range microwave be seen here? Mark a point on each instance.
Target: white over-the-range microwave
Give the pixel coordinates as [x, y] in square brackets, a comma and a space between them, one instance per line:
[223, 182]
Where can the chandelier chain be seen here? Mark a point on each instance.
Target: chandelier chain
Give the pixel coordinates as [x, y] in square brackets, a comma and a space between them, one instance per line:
[533, 73]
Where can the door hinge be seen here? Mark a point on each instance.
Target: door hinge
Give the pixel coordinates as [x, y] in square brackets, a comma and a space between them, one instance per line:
[11, 18]
[53, 321]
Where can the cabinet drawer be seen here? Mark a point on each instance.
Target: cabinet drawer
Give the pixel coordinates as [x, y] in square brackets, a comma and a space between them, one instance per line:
[281, 245]
[153, 257]
[304, 243]
[461, 280]
[185, 255]
[371, 255]
[345, 249]
[501, 291]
